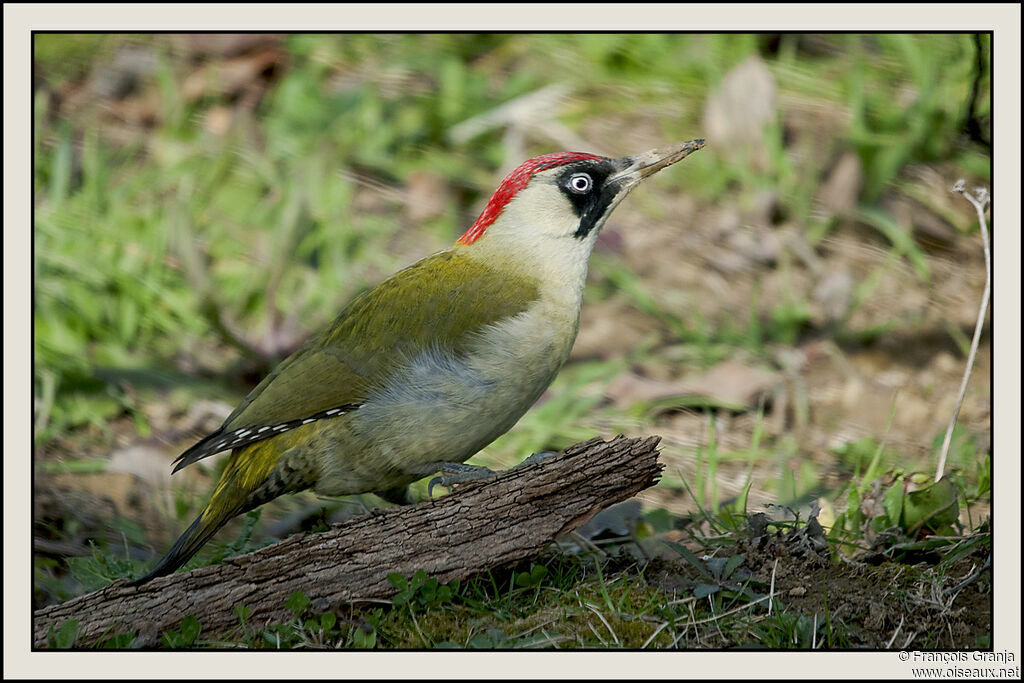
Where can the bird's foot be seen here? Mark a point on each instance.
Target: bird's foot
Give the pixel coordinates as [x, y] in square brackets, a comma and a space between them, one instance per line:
[537, 457]
[454, 473]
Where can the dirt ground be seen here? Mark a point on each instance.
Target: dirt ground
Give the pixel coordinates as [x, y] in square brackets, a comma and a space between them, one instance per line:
[820, 393]
[868, 605]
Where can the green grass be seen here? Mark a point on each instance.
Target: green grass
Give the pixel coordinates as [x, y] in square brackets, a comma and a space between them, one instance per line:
[178, 222]
[637, 592]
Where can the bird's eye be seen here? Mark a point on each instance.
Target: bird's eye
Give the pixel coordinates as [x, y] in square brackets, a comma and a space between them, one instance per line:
[580, 183]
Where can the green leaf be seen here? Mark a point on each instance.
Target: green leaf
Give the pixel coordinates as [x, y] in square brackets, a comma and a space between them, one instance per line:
[365, 637]
[880, 523]
[703, 590]
[99, 569]
[716, 565]
[481, 642]
[660, 519]
[892, 502]
[446, 645]
[734, 562]
[692, 558]
[498, 636]
[328, 621]
[65, 636]
[532, 578]
[121, 641]
[242, 612]
[933, 507]
[190, 628]
[297, 602]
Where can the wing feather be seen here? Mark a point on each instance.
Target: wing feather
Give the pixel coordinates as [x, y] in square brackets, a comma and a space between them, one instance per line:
[441, 300]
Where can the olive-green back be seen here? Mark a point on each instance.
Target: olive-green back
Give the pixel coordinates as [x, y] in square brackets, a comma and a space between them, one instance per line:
[441, 300]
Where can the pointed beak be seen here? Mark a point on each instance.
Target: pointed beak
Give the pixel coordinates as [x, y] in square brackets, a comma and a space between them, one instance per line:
[639, 166]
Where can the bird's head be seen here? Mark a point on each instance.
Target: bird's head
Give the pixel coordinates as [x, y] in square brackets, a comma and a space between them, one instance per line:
[560, 201]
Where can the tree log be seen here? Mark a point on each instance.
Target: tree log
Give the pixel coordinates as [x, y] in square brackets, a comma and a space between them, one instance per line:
[489, 524]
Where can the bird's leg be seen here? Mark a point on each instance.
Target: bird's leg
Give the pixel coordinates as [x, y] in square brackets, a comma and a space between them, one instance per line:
[398, 495]
[453, 473]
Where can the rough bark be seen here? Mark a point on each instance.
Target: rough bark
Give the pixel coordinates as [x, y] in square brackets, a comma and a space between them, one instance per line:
[496, 522]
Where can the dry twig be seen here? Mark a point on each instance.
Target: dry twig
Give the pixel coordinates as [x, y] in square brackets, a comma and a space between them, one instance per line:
[980, 201]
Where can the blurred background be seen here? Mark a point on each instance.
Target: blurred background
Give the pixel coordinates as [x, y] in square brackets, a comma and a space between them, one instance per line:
[790, 309]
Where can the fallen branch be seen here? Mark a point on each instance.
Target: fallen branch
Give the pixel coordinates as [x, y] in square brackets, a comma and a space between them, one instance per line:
[494, 523]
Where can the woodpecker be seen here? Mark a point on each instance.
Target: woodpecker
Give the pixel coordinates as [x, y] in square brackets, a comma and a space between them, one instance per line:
[422, 371]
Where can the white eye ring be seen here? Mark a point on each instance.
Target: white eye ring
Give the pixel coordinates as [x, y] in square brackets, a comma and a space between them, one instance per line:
[580, 183]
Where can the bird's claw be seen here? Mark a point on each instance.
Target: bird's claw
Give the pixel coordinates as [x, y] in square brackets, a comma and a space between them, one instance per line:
[453, 473]
[537, 457]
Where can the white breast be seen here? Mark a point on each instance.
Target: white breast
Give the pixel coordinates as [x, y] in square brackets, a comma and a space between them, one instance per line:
[443, 408]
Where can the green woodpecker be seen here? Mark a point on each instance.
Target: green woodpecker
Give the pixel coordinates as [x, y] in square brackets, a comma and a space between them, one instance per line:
[434, 363]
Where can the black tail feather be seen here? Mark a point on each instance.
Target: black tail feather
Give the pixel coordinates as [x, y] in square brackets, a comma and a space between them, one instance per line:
[187, 545]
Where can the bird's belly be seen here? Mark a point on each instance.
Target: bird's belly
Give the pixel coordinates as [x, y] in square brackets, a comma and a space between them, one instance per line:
[443, 408]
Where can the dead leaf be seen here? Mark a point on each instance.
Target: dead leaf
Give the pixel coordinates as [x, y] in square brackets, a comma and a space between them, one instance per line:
[426, 195]
[839, 194]
[218, 119]
[834, 294]
[630, 388]
[229, 77]
[222, 44]
[739, 109]
[149, 464]
[729, 383]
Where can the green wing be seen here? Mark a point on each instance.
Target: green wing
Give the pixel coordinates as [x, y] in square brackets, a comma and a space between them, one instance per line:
[440, 300]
